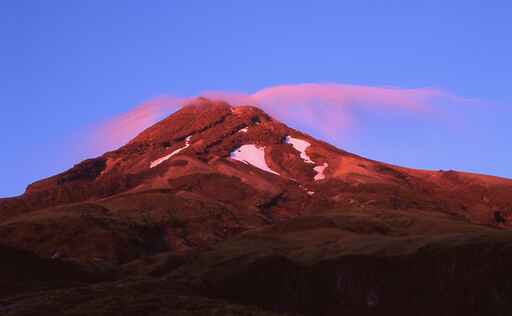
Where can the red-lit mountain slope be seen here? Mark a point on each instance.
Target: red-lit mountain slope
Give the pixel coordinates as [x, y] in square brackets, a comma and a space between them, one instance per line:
[214, 198]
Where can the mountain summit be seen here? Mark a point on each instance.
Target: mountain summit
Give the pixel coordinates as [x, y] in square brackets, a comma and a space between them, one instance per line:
[228, 184]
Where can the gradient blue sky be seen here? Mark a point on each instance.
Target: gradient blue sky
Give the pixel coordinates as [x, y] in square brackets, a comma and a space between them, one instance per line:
[67, 65]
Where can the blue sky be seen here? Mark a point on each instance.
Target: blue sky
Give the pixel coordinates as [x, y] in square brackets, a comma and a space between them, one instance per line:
[67, 65]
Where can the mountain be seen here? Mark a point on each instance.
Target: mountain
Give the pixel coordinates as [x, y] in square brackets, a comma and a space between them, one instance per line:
[225, 209]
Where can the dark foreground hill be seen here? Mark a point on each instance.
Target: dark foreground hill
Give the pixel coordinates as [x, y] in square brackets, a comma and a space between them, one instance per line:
[225, 211]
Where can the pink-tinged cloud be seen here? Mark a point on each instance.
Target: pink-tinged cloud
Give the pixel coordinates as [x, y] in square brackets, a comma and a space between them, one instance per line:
[121, 129]
[328, 108]
[345, 95]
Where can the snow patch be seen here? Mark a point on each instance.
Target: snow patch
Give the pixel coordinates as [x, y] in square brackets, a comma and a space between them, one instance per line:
[301, 146]
[252, 155]
[243, 130]
[165, 158]
[320, 171]
[309, 192]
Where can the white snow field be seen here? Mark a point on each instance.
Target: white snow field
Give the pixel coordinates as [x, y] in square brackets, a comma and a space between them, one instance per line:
[301, 146]
[165, 158]
[320, 172]
[252, 155]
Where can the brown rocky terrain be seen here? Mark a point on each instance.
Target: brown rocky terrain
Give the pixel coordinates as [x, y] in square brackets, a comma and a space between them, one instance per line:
[220, 210]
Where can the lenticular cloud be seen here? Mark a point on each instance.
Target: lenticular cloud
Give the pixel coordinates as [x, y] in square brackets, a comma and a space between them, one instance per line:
[327, 108]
